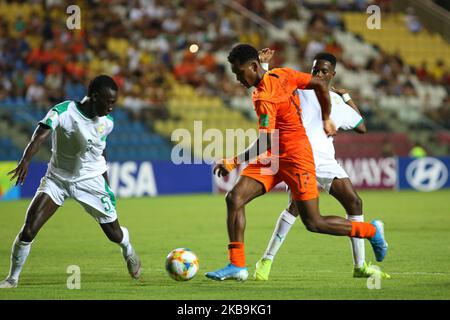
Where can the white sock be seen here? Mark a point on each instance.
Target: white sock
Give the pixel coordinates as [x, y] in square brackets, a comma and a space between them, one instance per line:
[19, 253]
[358, 249]
[284, 224]
[125, 244]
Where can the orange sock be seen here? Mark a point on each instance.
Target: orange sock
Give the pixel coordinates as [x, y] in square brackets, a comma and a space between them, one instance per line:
[236, 254]
[362, 230]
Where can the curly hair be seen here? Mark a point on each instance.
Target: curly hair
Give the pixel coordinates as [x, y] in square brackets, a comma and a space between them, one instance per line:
[243, 53]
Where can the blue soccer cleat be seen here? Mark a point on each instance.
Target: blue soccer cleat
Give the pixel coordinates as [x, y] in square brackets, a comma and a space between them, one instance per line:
[230, 272]
[378, 242]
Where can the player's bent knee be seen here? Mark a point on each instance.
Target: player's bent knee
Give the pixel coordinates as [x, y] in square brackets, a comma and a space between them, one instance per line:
[234, 200]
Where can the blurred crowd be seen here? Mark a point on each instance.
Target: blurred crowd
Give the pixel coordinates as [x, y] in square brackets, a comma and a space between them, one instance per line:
[147, 44]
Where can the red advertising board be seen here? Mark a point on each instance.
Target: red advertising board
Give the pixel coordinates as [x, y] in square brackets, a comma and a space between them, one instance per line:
[371, 173]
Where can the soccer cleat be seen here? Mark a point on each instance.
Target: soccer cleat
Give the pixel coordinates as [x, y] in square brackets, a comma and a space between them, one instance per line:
[133, 265]
[367, 270]
[230, 272]
[378, 242]
[263, 269]
[8, 283]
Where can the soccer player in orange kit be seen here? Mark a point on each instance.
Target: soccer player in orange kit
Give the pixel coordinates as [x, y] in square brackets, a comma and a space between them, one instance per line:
[279, 111]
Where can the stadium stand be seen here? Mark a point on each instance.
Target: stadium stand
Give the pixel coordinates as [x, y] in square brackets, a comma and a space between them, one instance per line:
[401, 86]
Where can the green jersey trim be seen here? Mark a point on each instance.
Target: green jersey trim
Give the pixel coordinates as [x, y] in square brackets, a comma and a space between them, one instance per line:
[61, 107]
[110, 117]
[49, 123]
[360, 121]
[112, 197]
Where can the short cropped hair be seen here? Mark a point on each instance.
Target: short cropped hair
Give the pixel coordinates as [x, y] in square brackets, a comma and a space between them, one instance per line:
[243, 53]
[326, 56]
[100, 82]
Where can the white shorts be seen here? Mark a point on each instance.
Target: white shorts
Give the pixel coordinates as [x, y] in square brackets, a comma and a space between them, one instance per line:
[326, 173]
[93, 194]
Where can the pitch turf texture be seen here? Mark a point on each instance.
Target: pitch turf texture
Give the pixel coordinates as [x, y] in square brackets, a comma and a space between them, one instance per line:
[308, 266]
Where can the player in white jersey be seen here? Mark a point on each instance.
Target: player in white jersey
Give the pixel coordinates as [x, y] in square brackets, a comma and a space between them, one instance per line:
[331, 177]
[77, 169]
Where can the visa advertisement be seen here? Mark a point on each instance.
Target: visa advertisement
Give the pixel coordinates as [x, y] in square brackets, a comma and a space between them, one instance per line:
[126, 179]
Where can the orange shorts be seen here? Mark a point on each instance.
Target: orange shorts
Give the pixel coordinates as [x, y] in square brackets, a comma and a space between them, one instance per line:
[298, 174]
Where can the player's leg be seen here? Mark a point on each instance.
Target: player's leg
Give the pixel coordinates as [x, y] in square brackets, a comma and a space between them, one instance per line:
[41, 208]
[342, 189]
[121, 236]
[314, 222]
[301, 178]
[285, 220]
[287, 217]
[245, 190]
[282, 228]
[99, 201]
[284, 224]
[334, 225]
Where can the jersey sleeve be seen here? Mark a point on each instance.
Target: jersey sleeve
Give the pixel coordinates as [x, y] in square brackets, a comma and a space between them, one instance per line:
[344, 116]
[301, 79]
[51, 119]
[266, 114]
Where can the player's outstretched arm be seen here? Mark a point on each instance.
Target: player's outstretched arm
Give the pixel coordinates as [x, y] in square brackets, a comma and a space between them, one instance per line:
[40, 135]
[320, 87]
[361, 128]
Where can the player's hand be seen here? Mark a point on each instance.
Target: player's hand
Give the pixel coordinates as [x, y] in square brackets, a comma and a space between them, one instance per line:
[339, 91]
[220, 170]
[224, 167]
[20, 172]
[329, 127]
[265, 55]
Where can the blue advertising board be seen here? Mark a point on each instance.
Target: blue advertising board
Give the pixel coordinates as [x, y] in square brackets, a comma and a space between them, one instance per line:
[145, 178]
[134, 179]
[36, 171]
[423, 174]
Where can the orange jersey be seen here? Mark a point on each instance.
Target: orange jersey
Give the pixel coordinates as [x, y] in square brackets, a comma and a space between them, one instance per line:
[278, 107]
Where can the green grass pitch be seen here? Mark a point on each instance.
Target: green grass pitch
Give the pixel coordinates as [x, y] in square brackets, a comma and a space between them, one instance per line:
[308, 266]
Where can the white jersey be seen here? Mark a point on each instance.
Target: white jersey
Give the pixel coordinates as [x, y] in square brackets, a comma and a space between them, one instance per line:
[77, 142]
[343, 116]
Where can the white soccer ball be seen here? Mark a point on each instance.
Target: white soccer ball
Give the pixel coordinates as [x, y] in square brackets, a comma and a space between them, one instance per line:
[182, 264]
